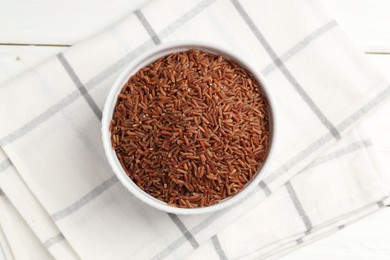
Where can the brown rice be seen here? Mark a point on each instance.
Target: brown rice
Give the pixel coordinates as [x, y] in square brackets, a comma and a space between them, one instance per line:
[191, 129]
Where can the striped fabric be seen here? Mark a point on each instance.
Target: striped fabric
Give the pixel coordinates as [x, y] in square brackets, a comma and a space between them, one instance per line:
[324, 174]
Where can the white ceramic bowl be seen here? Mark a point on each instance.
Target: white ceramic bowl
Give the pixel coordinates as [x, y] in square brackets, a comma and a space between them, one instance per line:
[146, 59]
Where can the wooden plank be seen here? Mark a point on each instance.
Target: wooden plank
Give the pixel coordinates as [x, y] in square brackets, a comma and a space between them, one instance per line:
[59, 22]
[66, 22]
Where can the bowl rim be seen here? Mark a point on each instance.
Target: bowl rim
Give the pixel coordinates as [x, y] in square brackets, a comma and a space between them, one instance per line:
[147, 58]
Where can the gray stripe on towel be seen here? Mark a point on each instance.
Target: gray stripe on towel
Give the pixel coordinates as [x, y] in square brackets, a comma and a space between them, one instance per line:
[53, 240]
[76, 80]
[218, 248]
[198, 228]
[147, 27]
[4, 165]
[298, 206]
[265, 188]
[187, 234]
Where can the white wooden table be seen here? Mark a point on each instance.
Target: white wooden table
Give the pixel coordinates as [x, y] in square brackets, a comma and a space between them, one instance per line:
[31, 31]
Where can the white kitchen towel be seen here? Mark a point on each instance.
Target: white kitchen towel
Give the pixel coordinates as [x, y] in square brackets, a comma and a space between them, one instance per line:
[21, 241]
[31, 211]
[321, 84]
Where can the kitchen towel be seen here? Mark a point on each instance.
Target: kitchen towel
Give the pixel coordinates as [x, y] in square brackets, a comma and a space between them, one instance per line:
[324, 173]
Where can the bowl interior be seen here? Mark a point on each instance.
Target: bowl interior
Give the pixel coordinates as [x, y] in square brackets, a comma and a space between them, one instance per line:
[146, 59]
